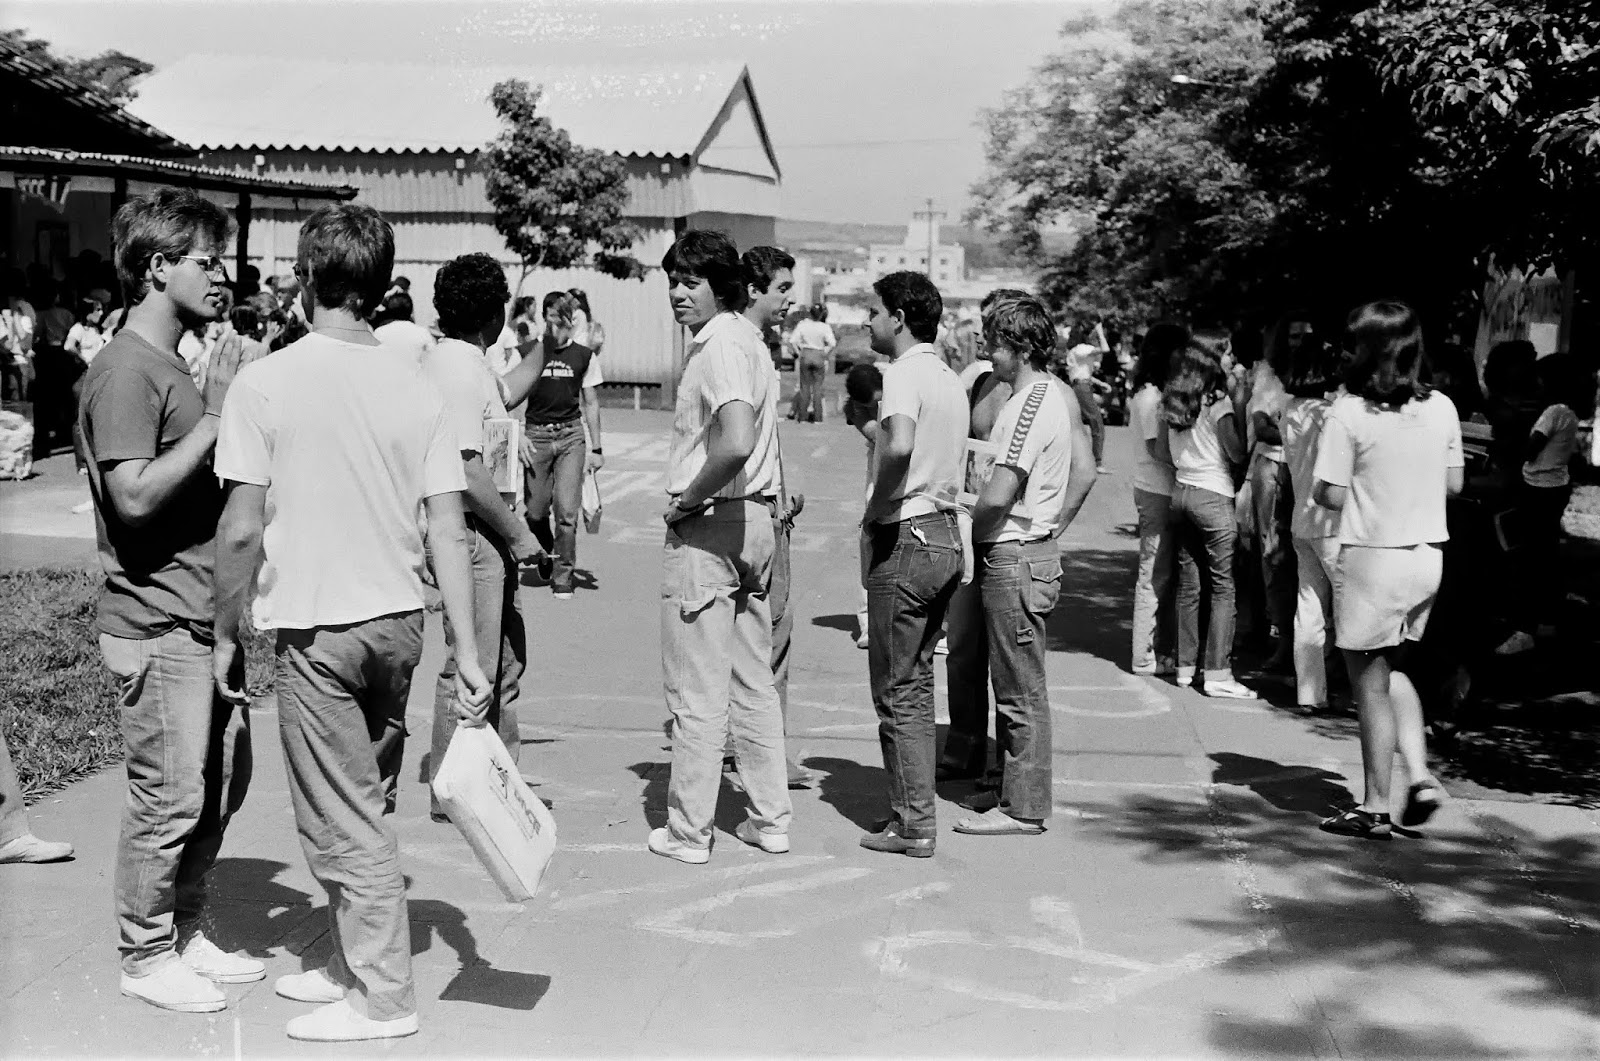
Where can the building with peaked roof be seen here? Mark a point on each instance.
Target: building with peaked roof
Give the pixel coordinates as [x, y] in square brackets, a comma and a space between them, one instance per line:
[692, 139]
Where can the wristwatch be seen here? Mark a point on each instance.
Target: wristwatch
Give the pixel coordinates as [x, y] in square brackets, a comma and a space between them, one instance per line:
[597, 451]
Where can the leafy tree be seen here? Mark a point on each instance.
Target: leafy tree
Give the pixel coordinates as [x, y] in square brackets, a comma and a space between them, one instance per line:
[113, 72]
[558, 205]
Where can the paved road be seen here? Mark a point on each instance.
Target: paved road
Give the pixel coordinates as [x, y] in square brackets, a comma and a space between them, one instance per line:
[1182, 903]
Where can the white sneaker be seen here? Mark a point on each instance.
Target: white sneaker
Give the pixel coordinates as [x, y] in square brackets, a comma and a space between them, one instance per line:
[562, 594]
[217, 965]
[771, 843]
[942, 647]
[1184, 675]
[662, 843]
[312, 985]
[29, 848]
[1228, 689]
[1516, 644]
[338, 1022]
[173, 985]
[861, 640]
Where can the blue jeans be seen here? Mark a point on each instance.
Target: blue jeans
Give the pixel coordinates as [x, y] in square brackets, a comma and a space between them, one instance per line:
[1152, 592]
[188, 762]
[555, 481]
[1203, 522]
[1020, 584]
[716, 668]
[966, 668]
[914, 569]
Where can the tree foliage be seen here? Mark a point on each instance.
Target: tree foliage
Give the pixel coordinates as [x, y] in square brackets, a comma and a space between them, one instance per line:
[1322, 151]
[112, 71]
[558, 205]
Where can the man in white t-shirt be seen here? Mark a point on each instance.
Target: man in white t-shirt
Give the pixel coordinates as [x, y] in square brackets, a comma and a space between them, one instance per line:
[330, 449]
[916, 552]
[723, 482]
[1029, 499]
[813, 343]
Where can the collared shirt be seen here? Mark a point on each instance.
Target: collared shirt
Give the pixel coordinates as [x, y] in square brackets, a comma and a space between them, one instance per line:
[921, 387]
[726, 362]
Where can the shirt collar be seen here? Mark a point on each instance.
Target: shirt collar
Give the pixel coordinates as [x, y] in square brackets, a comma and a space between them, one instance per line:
[720, 323]
[920, 348]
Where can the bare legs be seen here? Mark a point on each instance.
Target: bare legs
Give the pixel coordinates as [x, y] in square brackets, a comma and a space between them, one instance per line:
[1391, 720]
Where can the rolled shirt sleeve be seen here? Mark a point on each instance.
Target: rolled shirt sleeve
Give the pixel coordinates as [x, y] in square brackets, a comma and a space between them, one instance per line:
[727, 377]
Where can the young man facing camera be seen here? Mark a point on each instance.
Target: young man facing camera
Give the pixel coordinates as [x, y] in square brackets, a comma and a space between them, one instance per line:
[915, 547]
[716, 622]
[148, 436]
[470, 295]
[1036, 489]
[331, 448]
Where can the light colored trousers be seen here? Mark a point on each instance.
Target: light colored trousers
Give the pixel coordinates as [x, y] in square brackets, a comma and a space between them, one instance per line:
[188, 761]
[716, 664]
[1317, 564]
[1154, 615]
[341, 713]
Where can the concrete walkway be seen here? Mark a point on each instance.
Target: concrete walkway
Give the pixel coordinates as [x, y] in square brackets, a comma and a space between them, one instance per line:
[1183, 902]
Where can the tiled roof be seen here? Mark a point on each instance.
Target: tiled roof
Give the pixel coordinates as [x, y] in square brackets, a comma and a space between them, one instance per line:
[89, 99]
[178, 172]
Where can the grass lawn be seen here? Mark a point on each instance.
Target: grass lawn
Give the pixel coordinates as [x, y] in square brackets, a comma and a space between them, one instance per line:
[58, 703]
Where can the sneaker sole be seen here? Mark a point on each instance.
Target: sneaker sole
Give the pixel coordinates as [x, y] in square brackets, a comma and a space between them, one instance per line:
[234, 978]
[698, 859]
[180, 1007]
[307, 997]
[780, 848]
[409, 1028]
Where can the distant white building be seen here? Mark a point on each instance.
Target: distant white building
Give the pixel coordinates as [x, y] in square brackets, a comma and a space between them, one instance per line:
[949, 259]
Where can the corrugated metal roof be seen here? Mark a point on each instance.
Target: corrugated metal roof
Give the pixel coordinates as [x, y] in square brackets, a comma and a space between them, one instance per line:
[180, 172]
[218, 101]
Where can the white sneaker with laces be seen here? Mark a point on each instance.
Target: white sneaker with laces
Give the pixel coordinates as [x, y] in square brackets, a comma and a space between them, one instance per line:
[312, 985]
[173, 985]
[1229, 689]
[662, 842]
[216, 964]
[771, 843]
[338, 1022]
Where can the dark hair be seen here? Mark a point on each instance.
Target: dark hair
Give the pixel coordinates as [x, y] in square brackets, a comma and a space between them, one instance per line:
[346, 253]
[1561, 383]
[863, 382]
[560, 305]
[1194, 379]
[1509, 370]
[87, 306]
[397, 306]
[1023, 325]
[713, 258]
[818, 311]
[168, 222]
[762, 264]
[402, 282]
[1385, 343]
[1277, 340]
[1156, 351]
[522, 304]
[999, 293]
[467, 293]
[1312, 371]
[245, 320]
[582, 298]
[914, 296]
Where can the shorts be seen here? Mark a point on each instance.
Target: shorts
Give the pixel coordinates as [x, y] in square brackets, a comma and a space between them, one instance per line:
[1383, 596]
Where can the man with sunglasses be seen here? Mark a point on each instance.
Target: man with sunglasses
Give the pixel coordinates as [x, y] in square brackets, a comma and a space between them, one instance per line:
[148, 434]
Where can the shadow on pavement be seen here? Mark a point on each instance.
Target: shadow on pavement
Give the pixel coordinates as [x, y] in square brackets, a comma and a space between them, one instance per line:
[859, 793]
[248, 909]
[1518, 910]
[846, 623]
[478, 981]
[1095, 614]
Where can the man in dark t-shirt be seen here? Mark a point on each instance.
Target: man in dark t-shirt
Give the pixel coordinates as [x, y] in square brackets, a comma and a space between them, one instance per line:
[558, 380]
[148, 436]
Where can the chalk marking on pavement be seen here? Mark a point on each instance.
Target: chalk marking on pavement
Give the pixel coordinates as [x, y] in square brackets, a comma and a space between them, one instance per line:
[1152, 700]
[670, 922]
[615, 895]
[591, 848]
[844, 709]
[851, 727]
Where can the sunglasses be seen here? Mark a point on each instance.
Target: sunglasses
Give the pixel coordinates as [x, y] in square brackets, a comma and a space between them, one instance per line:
[214, 267]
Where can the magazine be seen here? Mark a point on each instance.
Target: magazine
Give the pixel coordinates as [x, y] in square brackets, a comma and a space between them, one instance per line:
[502, 446]
[977, 464]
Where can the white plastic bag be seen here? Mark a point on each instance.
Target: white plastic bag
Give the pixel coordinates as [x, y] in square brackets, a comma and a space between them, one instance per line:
[592, 505]
[16, 446]
[507, 826]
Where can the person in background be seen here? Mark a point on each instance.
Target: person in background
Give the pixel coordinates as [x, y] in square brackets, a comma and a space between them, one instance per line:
[1081, 360]
[1512, 405]
[271, 323]
[83, 343]
[813, 343]
[586, 331]
[1310, 380]
[517, 338]
[395, 326]
[1270, 491]
[148, 434]
[863, 386]
[1154, 617]
[1541, 502]
[353, 447]
[1389, 457]
[723, 484]
[18, 328]
[1206, 445]
[17, 842]
[959, 348]
[558, 381]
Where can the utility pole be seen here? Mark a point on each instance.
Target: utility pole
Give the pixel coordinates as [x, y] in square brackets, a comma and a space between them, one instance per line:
[931, 215]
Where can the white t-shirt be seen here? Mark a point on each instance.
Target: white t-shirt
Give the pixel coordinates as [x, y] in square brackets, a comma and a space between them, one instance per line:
[1393, 461]
[1301, 424]
[1033, 434]
[348, 440]
[726, 362]
[1559, 425]
[1197, 455]
[970, 375]
[84, 341]
[813, 335]
[920, 386]
[503, 355]
[407, 336]
[1268, 397]
[1144, 416]
[461, 376]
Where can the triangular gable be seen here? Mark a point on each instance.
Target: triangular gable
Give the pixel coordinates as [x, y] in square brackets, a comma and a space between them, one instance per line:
[737, 140]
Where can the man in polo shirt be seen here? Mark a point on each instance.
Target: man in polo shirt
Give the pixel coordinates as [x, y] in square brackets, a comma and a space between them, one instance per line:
[332, 448]
[469, 295]
[558, 380]
[1035, 490]
[148, 436]
[716, 622]
[915, 547]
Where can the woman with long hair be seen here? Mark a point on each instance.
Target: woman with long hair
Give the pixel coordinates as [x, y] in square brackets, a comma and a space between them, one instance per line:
[1206, 445]
[1389, 457]
[1153, 616]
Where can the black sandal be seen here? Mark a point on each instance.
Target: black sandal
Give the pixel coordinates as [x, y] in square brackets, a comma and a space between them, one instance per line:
[1364, 825]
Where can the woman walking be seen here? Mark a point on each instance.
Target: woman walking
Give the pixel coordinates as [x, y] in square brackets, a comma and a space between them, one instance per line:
[1153, 617]
[1206, 445]
[1390, 455]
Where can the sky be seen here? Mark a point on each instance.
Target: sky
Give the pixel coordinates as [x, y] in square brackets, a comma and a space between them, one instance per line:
[872, 106]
